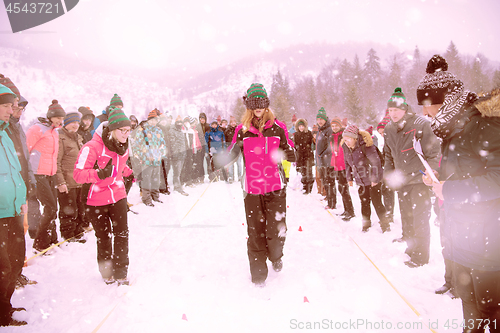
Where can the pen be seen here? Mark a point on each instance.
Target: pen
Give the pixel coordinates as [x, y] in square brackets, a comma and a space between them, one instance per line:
[422, 172]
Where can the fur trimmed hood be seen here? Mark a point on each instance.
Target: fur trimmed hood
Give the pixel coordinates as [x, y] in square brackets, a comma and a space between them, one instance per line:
[301, 120]
[367, 138]
[489, 104]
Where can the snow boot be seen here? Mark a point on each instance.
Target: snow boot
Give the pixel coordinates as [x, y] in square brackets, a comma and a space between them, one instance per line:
[366, 225]
[348, 216]
[13, 322]
[278, 265]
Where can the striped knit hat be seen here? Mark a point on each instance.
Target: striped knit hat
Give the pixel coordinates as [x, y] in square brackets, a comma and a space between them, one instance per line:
[322, 114]
[154, 113]
[71, 118]
[437, 83]
[9, 84]
[117, 119]
[55, 110]
[6, 95]
[397, 100]
[256, 97]
[384, 121]
[116, 100]
[337, 121]
[351, 131]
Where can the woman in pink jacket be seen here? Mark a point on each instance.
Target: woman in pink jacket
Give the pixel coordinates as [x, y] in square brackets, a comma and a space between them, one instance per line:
[264, 141]
[43, 144]
[103, 163]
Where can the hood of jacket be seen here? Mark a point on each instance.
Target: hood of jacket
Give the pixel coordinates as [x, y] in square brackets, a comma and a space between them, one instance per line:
[489, 104]
[367, 138]
[301, 120]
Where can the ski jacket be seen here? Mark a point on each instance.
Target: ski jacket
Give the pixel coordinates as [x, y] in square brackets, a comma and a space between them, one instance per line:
[323, 150]
[178, 143]
[13, 193]
[402, 165]
[95, 155]
[69, 148]
[216, 140]
[148, 144]
[18, 137]
[43, 144]
[263, 172]
[303, 142]
[229, 133]
[363, 163]
[337, 160]
[470, 168]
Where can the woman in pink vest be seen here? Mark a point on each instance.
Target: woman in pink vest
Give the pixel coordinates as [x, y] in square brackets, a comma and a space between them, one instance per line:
[338, 165]
[103, 163]
[43, 144]
[264, 141]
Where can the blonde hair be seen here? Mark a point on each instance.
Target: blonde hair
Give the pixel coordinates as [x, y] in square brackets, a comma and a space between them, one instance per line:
[248, 119]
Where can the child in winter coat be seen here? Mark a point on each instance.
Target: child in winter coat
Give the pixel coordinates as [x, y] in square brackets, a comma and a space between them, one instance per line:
[338, 165]
[303, 140]
[216, 142]
[260, 138]
[363, 164]
[43, 144]
[72, 208]
[148, 148]
[103, 163]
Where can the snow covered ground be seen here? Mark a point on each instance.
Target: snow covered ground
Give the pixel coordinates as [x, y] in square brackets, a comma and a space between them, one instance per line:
[189, 273]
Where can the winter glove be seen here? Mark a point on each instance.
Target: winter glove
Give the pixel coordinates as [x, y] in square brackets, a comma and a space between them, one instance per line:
[107, 171]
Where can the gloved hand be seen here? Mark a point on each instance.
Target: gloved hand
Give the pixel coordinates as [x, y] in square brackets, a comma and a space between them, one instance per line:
[107, 171]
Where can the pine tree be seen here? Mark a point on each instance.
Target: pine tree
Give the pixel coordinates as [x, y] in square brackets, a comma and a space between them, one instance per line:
[415, 74]
[281, 101]
[479, 79]
[352, 104]
[452, 57]
[238, 109]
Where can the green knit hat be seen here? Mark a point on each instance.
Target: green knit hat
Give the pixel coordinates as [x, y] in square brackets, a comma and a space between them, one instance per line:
[322, 114]
[256, 97]
[116, 100]
[397, 100]
[117, 119]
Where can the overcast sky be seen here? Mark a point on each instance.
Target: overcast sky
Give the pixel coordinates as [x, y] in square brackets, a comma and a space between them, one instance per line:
[194, 34]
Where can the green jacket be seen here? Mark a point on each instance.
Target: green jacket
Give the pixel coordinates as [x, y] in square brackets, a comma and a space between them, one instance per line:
[13, 193]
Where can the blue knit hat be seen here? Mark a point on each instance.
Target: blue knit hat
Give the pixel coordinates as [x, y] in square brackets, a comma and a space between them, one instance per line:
[71, 118]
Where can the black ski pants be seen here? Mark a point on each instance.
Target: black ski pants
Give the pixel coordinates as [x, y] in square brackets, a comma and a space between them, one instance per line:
[12, 252]
[266, 230]
[46, 193]
[111, 229]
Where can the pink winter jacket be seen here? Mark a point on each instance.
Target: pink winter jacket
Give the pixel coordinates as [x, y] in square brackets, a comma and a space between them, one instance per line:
[109, 190]
[337, 152]
[261, 152]
[43, 144]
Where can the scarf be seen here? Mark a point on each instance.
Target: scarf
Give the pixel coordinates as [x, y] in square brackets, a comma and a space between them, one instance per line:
[451, 117]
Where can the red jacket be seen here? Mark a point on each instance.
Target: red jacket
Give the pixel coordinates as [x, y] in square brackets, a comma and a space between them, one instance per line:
[109, 190]
[337, 152]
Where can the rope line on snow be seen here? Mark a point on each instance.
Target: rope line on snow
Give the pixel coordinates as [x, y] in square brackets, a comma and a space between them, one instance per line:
[386, 279]
[103, 321]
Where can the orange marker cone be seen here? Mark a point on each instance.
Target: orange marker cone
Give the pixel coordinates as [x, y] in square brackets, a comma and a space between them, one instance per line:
[184, 317]
[300, 228]
[306, 300]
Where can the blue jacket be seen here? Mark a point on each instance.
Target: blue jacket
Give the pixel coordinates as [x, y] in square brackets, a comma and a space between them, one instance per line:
[216, 140]
[13, 193]
[471, 169]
